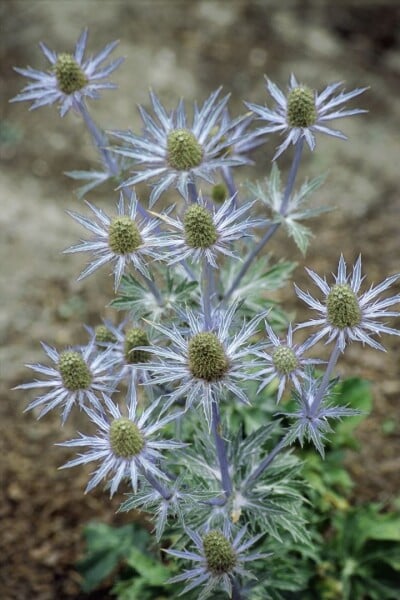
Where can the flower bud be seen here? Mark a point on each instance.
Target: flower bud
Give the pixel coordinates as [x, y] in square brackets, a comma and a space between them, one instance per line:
[133, 338]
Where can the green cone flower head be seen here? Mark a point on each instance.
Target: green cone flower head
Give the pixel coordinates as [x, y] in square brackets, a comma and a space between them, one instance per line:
[285, 360]
[124, 236]
[301, 111]
[342, 306]
[206, 232]
[126, 438]
[104, 335]
[219, 553]
[207, 359]
[200, 231]
[74, 371]
[184, 151]
[133, 338]
[70, 76]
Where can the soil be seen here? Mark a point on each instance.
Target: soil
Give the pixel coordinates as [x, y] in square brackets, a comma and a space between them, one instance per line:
[186, 49]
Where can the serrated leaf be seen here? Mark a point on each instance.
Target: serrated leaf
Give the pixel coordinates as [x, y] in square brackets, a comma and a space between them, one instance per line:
[300, 234]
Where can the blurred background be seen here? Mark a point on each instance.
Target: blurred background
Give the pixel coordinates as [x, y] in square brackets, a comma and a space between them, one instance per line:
[179, 48]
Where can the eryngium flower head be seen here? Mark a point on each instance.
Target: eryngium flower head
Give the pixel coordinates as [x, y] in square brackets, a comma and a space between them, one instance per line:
[316, 408]
[76, 378]
[206, 232]
[71, 77]
[129, 350]
[346, 315]
[220, 560]
[123, 239]
[205, 364]
[303, 112]
[285, 361]
[125, 446]
[174, 153]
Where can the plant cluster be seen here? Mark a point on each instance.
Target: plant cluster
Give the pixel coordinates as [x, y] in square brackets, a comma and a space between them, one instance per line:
[183, 390]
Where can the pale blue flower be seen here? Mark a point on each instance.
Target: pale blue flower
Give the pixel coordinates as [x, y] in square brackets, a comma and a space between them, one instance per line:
[285, 362]
[77, 377]
[303, 112]
[173, 153]
[220, 559]
[71, 77]
[127, 447]
[222, 226]
[345, 314]
[204, 365]
[124, 239]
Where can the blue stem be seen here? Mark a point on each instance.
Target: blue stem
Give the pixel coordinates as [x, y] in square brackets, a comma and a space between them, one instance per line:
[220, 446]
[206, 285]
[236, 595]
[264, 464]
[325, 380]
[159, 487]
[270, 232]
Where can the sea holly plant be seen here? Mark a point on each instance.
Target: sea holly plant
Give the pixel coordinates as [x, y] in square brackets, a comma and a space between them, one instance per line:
[189, 389]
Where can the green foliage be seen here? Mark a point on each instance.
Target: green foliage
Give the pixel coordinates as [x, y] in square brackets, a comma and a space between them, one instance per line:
[106, 547]
[260, 279]
[270, 193]
[351, 553]
[361, 557]
[136, 298]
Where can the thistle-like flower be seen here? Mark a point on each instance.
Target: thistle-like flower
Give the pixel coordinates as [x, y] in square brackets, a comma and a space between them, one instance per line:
[285, 361]
[76, 378]
[173, 153]
[220, 560]
[206, 364]
[347, 315]
[316, 408]
[123, 239]
[70, 78]
[124, 445]
[303, 112]
[127, 345]
[206, 233]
